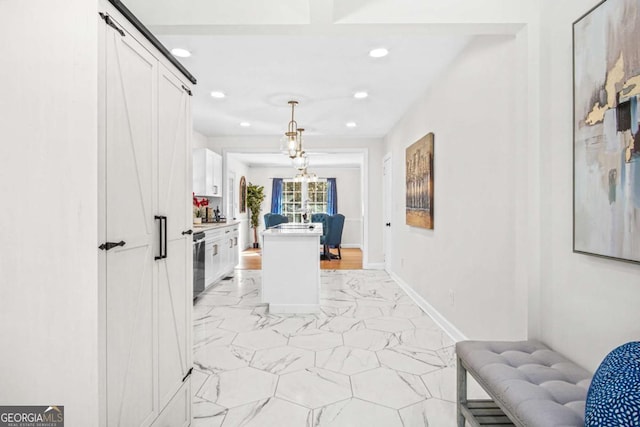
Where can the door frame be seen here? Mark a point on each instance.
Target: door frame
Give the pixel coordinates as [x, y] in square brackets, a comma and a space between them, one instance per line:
[387, 209]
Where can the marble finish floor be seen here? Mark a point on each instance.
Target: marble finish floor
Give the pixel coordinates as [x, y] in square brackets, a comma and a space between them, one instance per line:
[370, 358]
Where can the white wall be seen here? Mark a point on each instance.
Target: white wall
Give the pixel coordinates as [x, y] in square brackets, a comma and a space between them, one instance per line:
[198, 140]
[349, 196]
[589, 305]
[466, 266]
[49, 218]
[240, 170]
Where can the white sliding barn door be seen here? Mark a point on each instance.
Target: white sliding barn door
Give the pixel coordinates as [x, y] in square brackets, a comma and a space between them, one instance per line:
[175, 284]
[131, 182]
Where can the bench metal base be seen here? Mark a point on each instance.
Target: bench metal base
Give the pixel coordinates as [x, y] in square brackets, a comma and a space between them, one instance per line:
[478, 413]
[484, 413]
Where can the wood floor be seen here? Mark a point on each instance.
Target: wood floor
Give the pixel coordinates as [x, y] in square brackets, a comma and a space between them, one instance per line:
[251, 259]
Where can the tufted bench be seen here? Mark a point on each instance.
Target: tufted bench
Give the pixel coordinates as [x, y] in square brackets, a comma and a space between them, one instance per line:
[531, 385]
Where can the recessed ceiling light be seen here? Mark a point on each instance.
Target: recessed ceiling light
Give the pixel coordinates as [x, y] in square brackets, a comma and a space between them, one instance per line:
[351, 124]
[378, 53]
[245, 124]
[217, 94]
[180, 53]
[360, 95]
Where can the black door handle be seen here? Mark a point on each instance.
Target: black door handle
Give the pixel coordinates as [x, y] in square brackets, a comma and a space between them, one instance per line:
[164, 255]
[388, 224]
[156, 217]
[187, 232]
[110, 245]
[162, 237]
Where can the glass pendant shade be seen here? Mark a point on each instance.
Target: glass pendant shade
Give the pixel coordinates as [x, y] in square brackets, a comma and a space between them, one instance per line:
[301, 162]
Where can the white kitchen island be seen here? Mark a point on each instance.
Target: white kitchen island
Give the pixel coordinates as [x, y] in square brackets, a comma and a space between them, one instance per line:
[291, 268]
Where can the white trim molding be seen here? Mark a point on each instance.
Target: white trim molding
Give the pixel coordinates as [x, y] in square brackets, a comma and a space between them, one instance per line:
[440, 320]
[373, 266]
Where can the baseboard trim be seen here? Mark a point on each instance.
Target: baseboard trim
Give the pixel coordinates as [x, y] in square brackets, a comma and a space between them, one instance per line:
[453, 332]
[373, 266]
[351, 246]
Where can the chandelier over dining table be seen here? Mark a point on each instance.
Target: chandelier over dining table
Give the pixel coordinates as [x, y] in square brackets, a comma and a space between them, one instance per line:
[292, 142]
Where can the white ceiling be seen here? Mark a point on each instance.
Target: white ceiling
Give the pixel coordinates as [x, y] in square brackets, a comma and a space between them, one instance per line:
[260, 74]
[263, 54]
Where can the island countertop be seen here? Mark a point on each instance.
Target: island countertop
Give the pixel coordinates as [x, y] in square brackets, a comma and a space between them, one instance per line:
[213, 225]
[294, 229]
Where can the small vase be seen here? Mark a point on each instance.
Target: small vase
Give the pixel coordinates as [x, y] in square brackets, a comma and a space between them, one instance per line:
[197, 220]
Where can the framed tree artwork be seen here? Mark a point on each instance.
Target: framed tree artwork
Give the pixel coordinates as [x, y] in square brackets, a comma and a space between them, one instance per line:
[419, 183]
[243, 195]
[606, 124]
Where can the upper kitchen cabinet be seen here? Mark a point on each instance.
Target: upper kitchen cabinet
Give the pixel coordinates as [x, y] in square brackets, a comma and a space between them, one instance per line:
[207, 173]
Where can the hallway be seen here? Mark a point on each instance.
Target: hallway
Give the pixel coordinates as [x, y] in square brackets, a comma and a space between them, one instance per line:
[370, 358]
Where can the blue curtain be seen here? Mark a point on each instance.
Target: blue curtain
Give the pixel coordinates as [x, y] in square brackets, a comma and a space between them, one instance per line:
[276, 196]
[332, 196]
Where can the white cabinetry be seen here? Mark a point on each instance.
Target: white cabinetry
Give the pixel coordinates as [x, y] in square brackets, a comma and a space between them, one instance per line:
[221, 252]
[213, 248]
[207, 173]
[145, 195]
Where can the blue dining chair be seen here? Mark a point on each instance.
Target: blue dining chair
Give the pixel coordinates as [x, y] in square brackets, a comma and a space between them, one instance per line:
[323, 218]
[334, 237]
[271, 220]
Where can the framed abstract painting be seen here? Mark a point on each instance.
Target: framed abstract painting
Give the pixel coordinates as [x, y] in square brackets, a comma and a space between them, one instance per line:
[606, 123]
[419, 182]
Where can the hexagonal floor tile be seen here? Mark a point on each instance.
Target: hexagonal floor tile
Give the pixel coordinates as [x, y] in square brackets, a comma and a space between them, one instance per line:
[207, 413]
[270, 412]
[205, 334]
[200, 311]
[405, 311]
[448, 355]
[369, 339]
[363, 312]
[226, 312]
[389, 324]
[332, 308]
[389, 388]
[429, 339]
[424, 322]
[237, 387]
[282, 360]
[222, 358]
[347, 360]
[355, 412]
[316, 339]
[244, 323]
[441, 383]
[258, 340]
[410, 359]
[314, 387]
[432, 412]
[293, 325]
[219, 299]
[340, 324]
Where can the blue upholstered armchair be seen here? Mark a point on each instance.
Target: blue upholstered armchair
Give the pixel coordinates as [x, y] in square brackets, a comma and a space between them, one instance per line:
[271, 219]
[334, 237]
[322, 218]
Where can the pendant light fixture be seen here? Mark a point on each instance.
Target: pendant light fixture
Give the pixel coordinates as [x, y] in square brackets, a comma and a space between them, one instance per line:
[290, 143]
[300, 159]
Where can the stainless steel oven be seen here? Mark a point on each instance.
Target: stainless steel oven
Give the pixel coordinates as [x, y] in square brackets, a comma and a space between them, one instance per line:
[198, 264]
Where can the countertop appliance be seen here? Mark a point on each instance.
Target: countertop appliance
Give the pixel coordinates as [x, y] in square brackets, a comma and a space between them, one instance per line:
[198, 263]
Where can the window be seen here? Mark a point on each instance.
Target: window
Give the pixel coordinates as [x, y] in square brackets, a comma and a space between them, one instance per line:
[292, 198]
